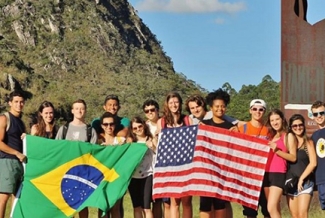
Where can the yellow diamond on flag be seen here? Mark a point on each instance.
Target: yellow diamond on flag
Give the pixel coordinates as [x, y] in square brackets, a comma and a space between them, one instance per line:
[70, 184]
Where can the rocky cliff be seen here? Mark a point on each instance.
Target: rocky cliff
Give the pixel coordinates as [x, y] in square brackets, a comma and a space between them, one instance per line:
[61, 50]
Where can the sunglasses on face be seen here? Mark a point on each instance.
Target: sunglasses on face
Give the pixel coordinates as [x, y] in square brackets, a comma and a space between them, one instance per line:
[150, 110]
[108, 124]
[295, 126]
[137, 128]
[258, 109]
[316, 114]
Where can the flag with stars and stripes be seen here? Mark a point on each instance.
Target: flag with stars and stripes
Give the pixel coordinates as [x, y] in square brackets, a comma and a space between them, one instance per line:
[202, 160]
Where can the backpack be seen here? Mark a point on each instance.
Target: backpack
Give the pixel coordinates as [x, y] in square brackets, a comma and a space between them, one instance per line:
[186, 121]
[8, 120]
[66, 127]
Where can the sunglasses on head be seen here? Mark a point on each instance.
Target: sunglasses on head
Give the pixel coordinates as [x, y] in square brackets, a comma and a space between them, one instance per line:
[137, 127]
[316, 114]
[258, 109]
[108, 124]
[295, 126]
[150, 110]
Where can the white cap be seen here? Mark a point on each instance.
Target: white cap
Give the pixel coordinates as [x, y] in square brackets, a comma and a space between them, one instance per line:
[257, 102]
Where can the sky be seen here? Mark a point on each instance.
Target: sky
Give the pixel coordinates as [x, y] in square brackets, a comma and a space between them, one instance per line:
[217, 41]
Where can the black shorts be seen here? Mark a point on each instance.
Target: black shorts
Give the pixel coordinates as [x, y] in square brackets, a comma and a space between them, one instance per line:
[141, 192]
[274, 179]
[207, 202]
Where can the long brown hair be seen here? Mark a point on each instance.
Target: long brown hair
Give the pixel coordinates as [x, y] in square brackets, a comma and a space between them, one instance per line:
[168, 116]
[41, 125]
[284, 127]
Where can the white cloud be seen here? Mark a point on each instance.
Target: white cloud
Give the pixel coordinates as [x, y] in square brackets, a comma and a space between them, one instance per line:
[191, 6]
[219, 21]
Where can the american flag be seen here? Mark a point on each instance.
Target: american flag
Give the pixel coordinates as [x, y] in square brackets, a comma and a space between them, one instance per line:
[202, 160]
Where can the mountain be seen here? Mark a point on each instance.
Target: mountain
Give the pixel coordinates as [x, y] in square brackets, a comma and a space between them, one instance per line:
[62, 50]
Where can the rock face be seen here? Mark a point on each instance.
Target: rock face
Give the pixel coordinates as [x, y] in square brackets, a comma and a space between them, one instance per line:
[64, 50]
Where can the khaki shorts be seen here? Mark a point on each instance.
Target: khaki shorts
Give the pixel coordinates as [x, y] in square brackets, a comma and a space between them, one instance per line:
[11, 175]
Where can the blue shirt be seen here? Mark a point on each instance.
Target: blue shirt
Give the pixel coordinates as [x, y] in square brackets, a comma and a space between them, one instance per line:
[318, 138]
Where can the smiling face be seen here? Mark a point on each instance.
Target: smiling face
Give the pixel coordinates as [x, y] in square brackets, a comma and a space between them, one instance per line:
[17, 104]
[47, 114]
[319, 115]
[173, 105]
[138, 129]
[276, 122]
[298, 127]
[218, 108]
[196, 110]
[112, 106]
[108, 125]
[257, 112]
[151, 112]
[78, 110]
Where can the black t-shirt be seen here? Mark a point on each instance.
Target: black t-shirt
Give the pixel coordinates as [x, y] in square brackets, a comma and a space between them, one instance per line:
[224, 125]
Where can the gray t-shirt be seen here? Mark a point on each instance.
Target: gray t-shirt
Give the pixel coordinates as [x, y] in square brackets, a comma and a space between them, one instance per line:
[77, 133]
[209, 115]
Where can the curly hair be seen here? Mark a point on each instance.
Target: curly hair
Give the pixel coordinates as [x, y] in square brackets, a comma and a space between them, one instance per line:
[218, 94]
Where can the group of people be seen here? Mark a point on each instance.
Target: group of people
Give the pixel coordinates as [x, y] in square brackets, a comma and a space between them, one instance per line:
[291, 163]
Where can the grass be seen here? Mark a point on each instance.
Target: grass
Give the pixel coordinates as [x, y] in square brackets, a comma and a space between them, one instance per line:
[315, 211]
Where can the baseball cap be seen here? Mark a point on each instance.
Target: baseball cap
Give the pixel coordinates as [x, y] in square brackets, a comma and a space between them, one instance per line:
[257, 102]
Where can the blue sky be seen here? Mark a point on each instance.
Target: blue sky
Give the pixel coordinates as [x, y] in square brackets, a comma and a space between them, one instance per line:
[217, 41]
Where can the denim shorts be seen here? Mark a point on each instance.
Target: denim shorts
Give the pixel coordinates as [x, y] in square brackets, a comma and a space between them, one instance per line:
[308, 189]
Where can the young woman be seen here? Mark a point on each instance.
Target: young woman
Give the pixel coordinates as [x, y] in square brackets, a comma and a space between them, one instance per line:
[218, 101]
[108, 137]
[283, 148]
[45, 126]
[299, 197]
[173, 117]
[140, 187]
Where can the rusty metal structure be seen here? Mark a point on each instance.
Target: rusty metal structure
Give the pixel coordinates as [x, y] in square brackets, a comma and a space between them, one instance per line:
[302, 60]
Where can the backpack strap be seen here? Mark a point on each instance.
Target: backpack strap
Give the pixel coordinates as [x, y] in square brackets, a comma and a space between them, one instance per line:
[186, 120]
[89, 132]
[245, 127]
[8, 120]
[163, 123]
[66, 127]
[65, 130]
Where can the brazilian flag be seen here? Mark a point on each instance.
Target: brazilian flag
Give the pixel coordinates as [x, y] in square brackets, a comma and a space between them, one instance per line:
[62, 177]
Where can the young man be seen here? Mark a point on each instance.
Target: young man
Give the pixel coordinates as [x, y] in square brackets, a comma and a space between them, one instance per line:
[151, 110]
[197, 108]
[112, 105]
[78, 130]
[11, 148]
[255, 127]
[318, 137]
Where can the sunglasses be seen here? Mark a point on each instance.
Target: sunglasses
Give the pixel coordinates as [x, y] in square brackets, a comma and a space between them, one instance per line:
[258, 109]
[108, 124]
[150, 110]
[137, 128]
[295, 126]
[316, 114]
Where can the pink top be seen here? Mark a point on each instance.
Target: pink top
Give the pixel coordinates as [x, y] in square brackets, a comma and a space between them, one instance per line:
[276, 164]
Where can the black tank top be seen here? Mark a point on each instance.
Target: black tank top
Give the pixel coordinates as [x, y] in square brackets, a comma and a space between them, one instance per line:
[12, 136]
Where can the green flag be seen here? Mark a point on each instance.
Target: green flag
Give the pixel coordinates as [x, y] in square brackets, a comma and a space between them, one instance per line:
[63, 177]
